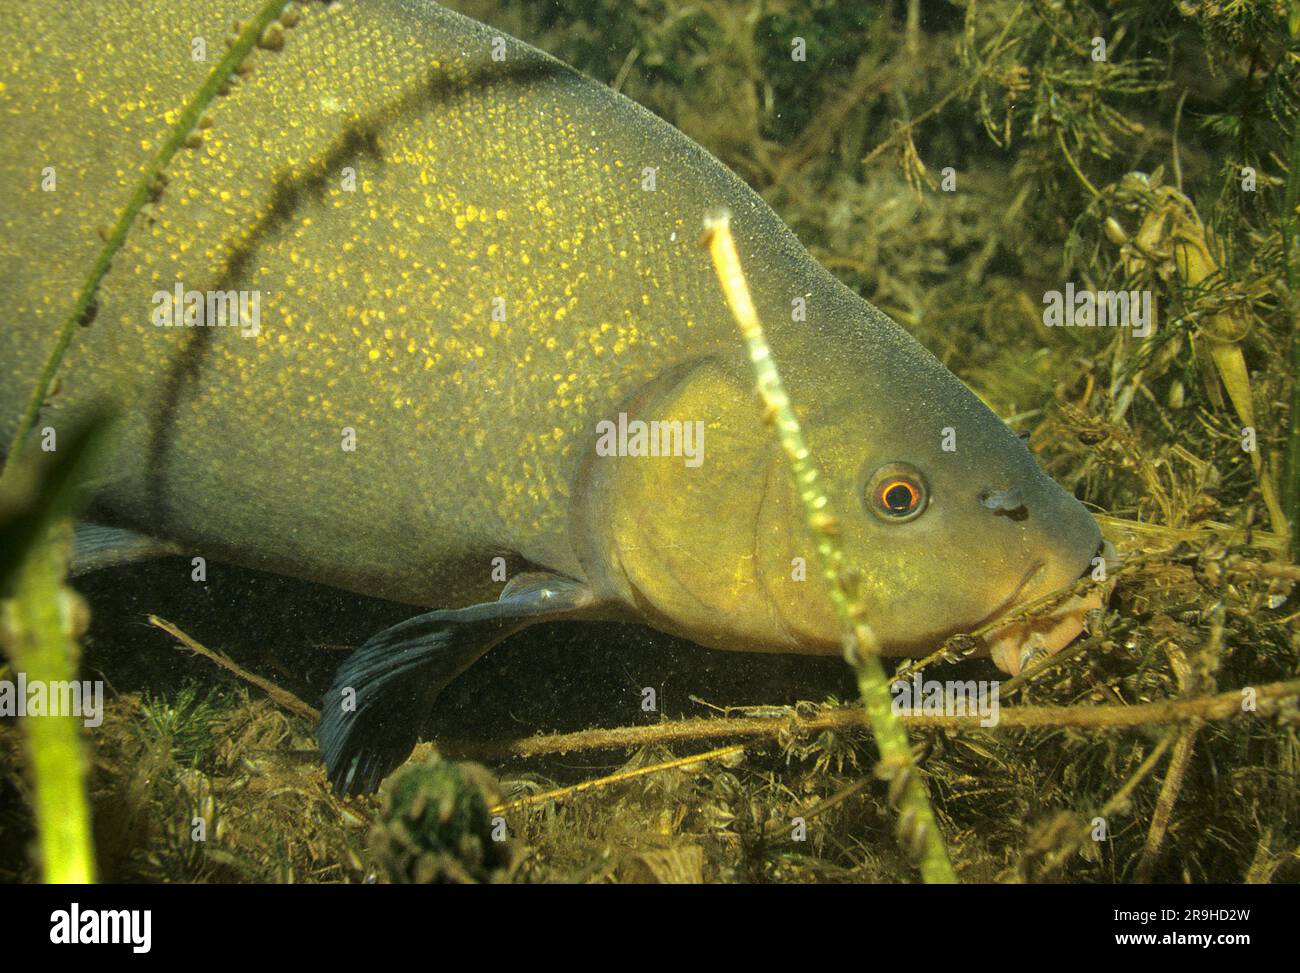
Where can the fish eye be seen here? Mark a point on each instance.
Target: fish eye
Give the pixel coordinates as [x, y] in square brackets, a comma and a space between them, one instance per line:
[897, 493]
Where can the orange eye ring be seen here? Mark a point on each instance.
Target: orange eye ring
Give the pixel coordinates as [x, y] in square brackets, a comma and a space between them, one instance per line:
[897, 494]
[899, 497]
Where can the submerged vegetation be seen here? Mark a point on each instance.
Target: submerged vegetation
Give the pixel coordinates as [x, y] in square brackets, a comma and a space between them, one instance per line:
[953, 163]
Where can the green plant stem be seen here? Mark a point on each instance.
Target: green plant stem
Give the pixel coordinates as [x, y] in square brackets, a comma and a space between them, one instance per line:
[42, 647]
[918, 828]
[144, 189]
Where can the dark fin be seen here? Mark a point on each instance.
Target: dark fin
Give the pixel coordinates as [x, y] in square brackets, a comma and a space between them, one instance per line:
[95, 547]
[397, 675]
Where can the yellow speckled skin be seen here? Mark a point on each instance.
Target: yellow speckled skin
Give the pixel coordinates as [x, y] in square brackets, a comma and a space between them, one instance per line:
[477, 180]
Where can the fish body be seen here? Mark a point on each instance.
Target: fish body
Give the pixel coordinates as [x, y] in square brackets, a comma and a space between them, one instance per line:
[470, 264]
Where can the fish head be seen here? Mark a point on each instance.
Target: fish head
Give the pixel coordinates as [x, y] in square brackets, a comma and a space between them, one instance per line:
[943, 515]
[941, 511]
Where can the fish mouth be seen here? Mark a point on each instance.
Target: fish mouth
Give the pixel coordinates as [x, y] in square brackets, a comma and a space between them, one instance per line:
[1014, 599]
[1012, 645]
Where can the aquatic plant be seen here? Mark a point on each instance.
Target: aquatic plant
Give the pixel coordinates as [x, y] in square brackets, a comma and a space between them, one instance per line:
[41, 621]
[181, 726]
[434, 826]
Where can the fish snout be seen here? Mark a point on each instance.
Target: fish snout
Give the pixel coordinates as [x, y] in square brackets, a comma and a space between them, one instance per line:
[1055, 529]
[1069, 535]
[1064, 541]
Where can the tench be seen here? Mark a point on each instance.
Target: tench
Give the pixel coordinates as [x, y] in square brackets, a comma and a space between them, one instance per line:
[422, 313]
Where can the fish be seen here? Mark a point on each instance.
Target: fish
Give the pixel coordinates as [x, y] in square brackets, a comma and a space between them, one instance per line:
[421, 313]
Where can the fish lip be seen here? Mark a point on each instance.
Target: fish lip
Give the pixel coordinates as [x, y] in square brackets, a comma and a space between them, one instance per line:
[1010, 601]
[1039, 567]
[997, 631]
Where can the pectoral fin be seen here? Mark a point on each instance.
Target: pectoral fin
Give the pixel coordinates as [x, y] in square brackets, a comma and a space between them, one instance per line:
[95, 547]
[384, 692]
